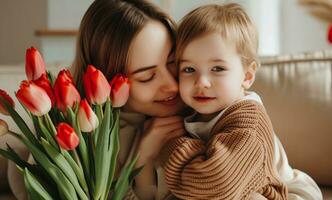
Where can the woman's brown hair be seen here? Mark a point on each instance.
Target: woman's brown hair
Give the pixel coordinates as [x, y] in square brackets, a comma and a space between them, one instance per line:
[107, 30]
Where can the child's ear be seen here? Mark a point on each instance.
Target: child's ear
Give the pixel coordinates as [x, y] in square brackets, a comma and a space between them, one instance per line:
[249, 76]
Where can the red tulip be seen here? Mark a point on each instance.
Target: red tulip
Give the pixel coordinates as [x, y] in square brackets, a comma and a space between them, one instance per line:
[329, 35]
[3, 127]
[97, 89]
[44, 83]
[6, 97]
[66, 137]
[120, 90]
[66, 75]
[34, 64]
[65, 91]
[86, 117]
[34, 98]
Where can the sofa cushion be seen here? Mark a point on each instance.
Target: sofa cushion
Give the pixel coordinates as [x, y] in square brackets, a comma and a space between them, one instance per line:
[297, 94]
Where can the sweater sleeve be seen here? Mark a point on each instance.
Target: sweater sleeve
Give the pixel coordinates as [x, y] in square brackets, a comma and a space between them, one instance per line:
[229, 166]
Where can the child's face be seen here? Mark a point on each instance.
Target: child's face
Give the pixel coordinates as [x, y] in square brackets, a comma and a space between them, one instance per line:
[211, 74]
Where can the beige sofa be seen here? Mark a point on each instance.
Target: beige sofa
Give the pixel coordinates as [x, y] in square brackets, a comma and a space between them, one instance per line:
[297, 92]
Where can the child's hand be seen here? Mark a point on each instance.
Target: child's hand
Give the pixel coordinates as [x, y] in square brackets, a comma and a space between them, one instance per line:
[157, 132]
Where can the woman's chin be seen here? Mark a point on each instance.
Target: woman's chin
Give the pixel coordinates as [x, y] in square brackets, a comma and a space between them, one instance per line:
[165, 110]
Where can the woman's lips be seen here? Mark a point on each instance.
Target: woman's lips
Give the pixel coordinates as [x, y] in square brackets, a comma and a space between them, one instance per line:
[202, 99]
[172, 100]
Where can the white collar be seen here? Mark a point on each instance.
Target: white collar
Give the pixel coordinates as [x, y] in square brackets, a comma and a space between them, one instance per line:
[202, 130]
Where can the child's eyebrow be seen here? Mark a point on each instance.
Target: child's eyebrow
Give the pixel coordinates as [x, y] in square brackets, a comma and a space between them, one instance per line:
[183, 60]
[217, 60]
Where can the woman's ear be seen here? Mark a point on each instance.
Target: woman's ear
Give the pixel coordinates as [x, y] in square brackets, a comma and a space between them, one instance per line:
[249, 76]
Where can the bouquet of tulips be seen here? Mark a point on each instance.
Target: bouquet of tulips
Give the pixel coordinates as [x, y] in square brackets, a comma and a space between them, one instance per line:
[75, 142]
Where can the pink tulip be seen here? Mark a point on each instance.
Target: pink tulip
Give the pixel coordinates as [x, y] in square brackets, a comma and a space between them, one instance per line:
[87, 119]
[7, 98]
[66, 137]
[34, 98]
[96, 87]
[65, 91]
[44, 83]
[34, 64]
[120, 90]
[3, 127]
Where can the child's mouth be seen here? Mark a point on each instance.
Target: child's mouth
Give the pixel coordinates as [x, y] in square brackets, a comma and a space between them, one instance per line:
[202, 99]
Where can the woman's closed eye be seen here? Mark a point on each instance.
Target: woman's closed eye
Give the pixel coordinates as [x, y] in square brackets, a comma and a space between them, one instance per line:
[218, 69]
[145, 80]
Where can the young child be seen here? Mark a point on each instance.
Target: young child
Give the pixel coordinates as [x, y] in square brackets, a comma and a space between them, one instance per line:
[230, 152]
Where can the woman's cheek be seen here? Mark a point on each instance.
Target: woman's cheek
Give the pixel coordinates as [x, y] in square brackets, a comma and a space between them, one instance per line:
[142, 93]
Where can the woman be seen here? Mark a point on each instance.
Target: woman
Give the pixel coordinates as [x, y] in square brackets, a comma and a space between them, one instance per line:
[136, 38]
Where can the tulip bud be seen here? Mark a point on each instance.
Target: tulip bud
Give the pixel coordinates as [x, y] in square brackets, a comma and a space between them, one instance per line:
[96, 87]
[44, 83]
[34, 98]
[66, 137]
[66, 75]
[7, 98]
[34, 64]
[120, 90]
[3, 127]
[87, 119]
[65, 91]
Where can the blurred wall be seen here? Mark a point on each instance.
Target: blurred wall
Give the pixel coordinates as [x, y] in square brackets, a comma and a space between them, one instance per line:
[284, 26]
[299, 31]
[18, 22]
[62, 15]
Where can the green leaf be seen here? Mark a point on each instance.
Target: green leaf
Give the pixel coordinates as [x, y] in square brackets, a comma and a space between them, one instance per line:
[134, 173]
[78, 171]
[62, 163]
[13, 156]
[20, 122]
[82, 147]
[102, 158]
[36, 190]
[64, 185]
[50, 77]
[47, 135]
[36, 125]
[123, 183]
[99, 113]
[50, 125]
[113, 150]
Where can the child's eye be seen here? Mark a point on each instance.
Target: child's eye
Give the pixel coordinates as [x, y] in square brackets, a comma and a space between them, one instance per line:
[188, 70]
[149, 79]
[217, 69]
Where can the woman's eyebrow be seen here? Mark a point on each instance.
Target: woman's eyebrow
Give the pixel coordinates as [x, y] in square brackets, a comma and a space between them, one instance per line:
[142, 69]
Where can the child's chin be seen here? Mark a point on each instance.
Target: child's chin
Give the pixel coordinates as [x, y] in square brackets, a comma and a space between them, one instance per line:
[205, 111]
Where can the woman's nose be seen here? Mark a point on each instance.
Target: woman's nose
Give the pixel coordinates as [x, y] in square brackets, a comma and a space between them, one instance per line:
[168, 82]
[203, 82]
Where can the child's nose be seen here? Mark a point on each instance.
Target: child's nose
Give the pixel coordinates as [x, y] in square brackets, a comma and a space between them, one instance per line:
[203, 82]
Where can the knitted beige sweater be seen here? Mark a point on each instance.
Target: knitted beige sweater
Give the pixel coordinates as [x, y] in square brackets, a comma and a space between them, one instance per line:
[236, 161]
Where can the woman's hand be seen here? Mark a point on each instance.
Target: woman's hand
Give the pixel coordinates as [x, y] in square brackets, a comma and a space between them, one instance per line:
[156, 133]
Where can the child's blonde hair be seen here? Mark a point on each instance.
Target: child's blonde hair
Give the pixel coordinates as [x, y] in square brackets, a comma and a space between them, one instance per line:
[230, 20]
